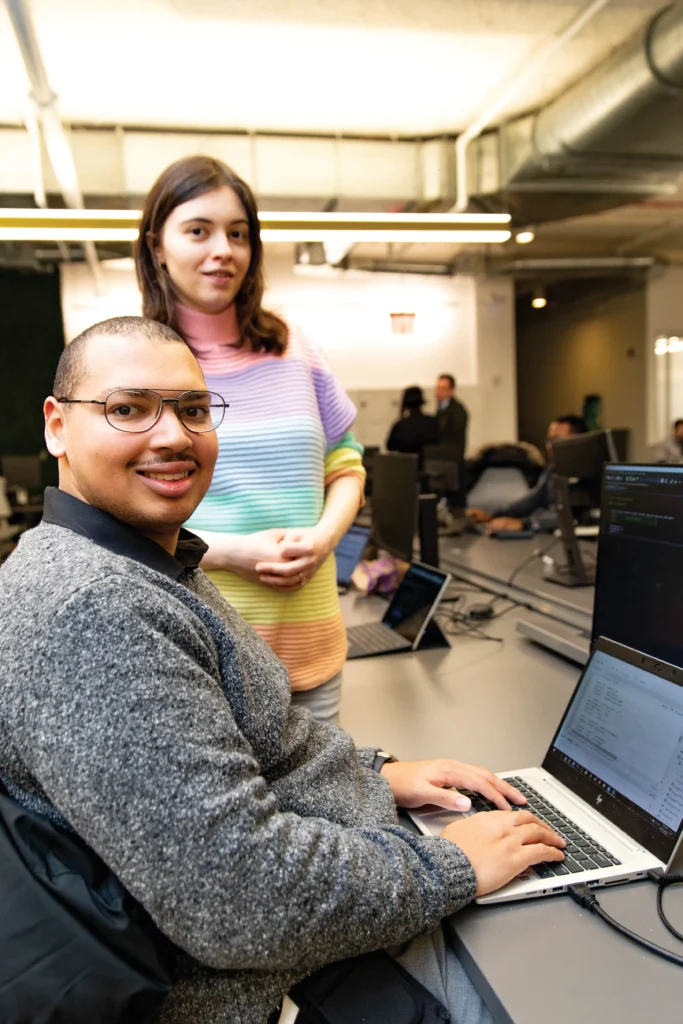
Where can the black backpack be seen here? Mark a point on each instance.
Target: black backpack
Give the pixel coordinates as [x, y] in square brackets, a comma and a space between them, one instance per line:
[75, 947]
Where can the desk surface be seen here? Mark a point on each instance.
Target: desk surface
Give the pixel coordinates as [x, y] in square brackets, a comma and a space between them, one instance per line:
[488, 559]
[499, 704]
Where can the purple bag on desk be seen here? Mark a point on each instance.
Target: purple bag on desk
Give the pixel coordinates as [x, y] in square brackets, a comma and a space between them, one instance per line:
[380, 576]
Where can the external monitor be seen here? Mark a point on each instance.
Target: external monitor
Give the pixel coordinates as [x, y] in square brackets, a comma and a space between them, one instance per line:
[640, 560]
[578, 461]
[394, 503]
[370, 453]
[441, 466]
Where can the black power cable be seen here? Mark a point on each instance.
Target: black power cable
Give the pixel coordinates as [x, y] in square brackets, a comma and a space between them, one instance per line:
[536, 553]
[663, 882]
[584, 896]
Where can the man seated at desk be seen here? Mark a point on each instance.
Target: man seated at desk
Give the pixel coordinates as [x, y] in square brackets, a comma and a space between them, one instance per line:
[141, 711]
[535, 509]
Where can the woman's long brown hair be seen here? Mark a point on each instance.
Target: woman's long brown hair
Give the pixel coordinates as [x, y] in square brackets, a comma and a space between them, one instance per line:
[186, 179]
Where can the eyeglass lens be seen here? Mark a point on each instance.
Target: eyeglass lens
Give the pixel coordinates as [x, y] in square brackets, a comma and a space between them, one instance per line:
[137, 410]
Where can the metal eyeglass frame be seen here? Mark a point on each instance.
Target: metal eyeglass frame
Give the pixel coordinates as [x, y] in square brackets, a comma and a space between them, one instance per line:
[163, 401]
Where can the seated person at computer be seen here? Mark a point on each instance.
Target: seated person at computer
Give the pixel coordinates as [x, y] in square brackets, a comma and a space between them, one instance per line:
[535, 508]
[139, 708]
[672, 450]
[414, 429]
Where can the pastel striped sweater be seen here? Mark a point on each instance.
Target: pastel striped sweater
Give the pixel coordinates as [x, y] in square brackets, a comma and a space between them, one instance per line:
[284, 439]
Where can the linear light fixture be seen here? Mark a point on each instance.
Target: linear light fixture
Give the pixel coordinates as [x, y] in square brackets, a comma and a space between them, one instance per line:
[122, 226]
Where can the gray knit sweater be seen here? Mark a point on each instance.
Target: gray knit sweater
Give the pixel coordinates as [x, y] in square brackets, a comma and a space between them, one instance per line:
[142, 711]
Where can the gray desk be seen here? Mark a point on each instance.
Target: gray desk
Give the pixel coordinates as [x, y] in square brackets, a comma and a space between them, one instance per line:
[496, 704]
[488, 561]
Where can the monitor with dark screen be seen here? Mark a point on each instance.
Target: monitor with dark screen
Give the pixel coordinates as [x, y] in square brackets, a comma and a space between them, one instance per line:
[442, 467]
[578, 462]
[640, 560]
[580, 458]
[394, 503]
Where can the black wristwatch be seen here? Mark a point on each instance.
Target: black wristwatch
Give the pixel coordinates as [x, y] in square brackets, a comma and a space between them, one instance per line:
[382, 757]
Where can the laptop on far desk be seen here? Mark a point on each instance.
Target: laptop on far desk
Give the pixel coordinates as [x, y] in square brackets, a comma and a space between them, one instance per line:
[407, 618]
[349, 552]
[611, 782]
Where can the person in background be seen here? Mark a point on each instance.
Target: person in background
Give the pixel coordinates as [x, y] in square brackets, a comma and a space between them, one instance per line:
[453, 418]
[672, 450]
[415, 429]
[538, 502]
[452, 415]
[289, 479]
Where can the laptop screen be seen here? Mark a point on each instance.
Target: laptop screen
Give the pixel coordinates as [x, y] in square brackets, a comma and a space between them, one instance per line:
[415, 600]
[620, 744]
[349, 551]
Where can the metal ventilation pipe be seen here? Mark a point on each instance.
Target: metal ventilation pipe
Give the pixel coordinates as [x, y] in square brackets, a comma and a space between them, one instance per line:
[56, 139]
[623, 111]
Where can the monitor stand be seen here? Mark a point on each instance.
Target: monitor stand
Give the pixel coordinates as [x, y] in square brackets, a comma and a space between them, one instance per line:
[428, 527]
[574, 573]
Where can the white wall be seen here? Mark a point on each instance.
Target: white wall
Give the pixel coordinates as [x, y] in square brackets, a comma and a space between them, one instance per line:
[82, 307]
[463, 325]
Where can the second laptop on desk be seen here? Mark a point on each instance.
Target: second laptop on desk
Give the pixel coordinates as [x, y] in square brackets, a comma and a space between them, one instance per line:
[407, 618]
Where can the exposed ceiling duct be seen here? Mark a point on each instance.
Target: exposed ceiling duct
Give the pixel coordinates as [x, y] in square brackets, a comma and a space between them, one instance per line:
[608, 140]
[44, 116]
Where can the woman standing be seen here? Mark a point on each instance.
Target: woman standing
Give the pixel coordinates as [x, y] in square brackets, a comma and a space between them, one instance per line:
[289, 478]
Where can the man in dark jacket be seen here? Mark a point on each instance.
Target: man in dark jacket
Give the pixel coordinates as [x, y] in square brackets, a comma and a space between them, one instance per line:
[138, 709]
[453, 418]
[452, 415]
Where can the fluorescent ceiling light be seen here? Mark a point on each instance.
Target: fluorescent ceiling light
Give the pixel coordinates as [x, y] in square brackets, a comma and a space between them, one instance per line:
[68, 234]
[346, 228]
[386, 235]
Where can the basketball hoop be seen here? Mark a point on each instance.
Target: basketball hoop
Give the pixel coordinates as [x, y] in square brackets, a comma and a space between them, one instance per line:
[402, 323]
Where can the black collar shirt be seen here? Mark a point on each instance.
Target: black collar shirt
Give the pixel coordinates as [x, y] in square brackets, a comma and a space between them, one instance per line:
[62, 509]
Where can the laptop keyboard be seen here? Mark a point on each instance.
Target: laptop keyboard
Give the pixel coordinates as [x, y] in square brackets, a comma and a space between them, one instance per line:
[373, 636]
[582, 853]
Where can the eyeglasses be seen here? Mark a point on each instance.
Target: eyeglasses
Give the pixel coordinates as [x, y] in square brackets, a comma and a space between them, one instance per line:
[135, 410]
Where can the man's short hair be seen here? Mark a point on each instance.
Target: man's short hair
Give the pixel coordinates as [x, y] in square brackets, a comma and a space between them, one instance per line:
[677, 424]
[577, 424]
[71, 366]
[449, 377]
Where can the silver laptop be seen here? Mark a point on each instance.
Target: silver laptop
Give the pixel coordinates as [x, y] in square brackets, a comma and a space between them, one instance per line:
[611, 782]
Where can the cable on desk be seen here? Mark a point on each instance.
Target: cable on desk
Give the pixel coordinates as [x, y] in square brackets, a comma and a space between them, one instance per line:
[537, 553]
[467, 627]
[584, 896]
[662, 882]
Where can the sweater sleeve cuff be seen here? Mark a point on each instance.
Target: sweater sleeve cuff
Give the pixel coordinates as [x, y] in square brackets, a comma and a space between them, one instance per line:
[366, 756]
[448, 863]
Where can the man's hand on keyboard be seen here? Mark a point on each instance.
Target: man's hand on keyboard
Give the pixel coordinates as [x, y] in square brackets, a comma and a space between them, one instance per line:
[502, 844]
[415, 783]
